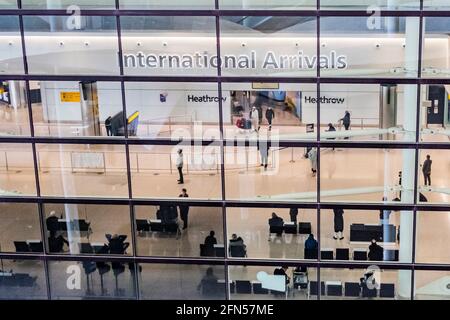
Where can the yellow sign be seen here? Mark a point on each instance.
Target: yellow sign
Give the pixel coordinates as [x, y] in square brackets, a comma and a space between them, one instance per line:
[263, 85]
[69, 96]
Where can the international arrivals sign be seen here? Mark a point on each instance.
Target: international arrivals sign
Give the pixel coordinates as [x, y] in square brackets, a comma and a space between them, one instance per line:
[268, 61]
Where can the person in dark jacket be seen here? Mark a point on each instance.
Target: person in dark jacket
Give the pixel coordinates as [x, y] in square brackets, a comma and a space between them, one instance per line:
[211, 240]
[276, 221]
[117, 244]
[346, 121]
[338, 223]
[375, 251]
[293, 213]
[311, 243]
[56, 243]
[426, 170]
[270, 115]
[208, 284]
[108, 126]
[331, 128]
[282, 272]
[184, 209]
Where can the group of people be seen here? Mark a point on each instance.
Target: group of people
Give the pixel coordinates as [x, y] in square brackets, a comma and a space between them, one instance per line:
[256, 117]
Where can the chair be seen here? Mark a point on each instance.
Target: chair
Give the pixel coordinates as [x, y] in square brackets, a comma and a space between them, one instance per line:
[290, 228]
[278, 230]
[243, 286]
[368, 293]
[24, 280]
[102, 269]
[21, 246]
[142, 225]
[387, 290]
[311, 254]
[360, 255]
[36, 246]
[313, 289]
[156, 226]
[206, 251]
[171, 227]
[258, 289]
[342, 253]
[118, 268]
[85, 248]
[219, 251]
[334, 290]
[352, 289]
[89, 267]
[238, 251]
[326, 254]
[304, 228]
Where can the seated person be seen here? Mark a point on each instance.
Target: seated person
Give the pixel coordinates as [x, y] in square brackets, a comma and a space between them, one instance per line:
[116, 243]
[236, 241]
[56, 243]
[276, 221]
[368, 281]
[375, 251]
[208, 284]
[311, 243]
[211, 240]
[52, 222]
[282, 272]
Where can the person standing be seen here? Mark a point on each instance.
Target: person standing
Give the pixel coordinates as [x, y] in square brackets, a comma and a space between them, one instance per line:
[184, 209]
[293, 213]
[346, 121]
[108, 126]
[338, 223]
[254, 117]
[331, 128]
[426, 170]
[180, 166]
[270, 115]
[264, 152]
[312, 156]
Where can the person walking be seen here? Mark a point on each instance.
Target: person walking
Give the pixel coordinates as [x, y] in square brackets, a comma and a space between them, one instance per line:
[180, 166]
[293, 213]
[254, 117]
[270, 115]
[426, 170]
[312, 156]
[331, 128]
[264, 152]
[338, 223]
[184, 209]
[346, 121]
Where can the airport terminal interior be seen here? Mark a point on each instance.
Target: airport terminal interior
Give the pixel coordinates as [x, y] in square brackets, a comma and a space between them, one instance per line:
[230, 149]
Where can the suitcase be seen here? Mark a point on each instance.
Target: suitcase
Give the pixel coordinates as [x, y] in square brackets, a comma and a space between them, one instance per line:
[248, 124]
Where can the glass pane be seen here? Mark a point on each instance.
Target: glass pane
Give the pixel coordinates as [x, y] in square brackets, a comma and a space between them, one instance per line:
[8, 4]
[77, 108]
[370, 5]
[180, 282]
[14, 118]
[433, 236]
[53, 43]
[361, 47]
[436, 5]
[285, 111]
[372, 283]
[92, 280]
[274, 283]
[433, 178]
[20, 229]
[169, 109]
[152, 45]
[66, 4]
[22, 280]
[266, 172]
[367, 112]
[434, 113]
[17, 170]
[361, 175]
[88, 229]
[362, 235]
[82, 170]
[11, 61]
[168, 4]
[268, 5]
[268, 236]
[179, 230]
[155, 172]
[431, 285]
[292, 51]
[436, 60]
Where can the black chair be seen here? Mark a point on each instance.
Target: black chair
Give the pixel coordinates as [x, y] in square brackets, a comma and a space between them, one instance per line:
[243, 286]
[311, 254]
[142, 225]
[258, 289]
[360, 255]
[342, 253]
[219, 251]
[24, 280]
[85, 248]
[81, 225]
[156, 226]
[171, 227]
[304, 228]
[326, 255]
[102, 269]
[117, 268]
[36, 247]
[206, 251]
[352, 289]
[290, 228]
[387, 290]
[237, 251]
[278, 230]
[21, 246]
[313, 288]
[89, 267]
[334, 290]
[368, 293]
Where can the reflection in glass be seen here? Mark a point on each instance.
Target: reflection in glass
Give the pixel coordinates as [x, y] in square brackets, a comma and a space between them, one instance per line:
[11, 61]
[431, 285]
[433, 236]
[14, 119]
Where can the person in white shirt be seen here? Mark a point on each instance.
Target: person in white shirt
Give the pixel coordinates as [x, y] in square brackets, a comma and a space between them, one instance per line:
[254, 116]
[180, 166]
